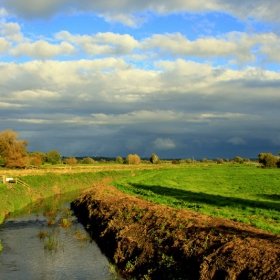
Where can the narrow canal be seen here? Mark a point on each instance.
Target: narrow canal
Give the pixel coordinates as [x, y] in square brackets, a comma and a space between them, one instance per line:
[46, 242]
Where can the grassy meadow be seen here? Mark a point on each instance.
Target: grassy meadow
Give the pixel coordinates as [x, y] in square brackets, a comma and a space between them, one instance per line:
[239, 192]
[235, 191]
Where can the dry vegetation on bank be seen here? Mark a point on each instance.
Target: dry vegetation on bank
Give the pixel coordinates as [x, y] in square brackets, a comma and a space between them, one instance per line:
[149, 241]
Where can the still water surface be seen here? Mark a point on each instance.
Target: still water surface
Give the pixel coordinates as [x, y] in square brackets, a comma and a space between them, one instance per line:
[65, 253]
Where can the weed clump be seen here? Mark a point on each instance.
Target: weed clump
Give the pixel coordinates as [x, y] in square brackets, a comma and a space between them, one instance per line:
[42, 234]
[51, 244]
[65, 222]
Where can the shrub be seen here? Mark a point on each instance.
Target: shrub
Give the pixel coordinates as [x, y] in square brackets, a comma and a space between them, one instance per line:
[119, 159]
[220, 160]
[87, 160]
[204, 160]
[238, 159]
[36, 161]
[175, 161]
[71, 161]
[53, 157]
[133, 159]
[38, 154]
[268, 160]
[154, 158]
[188, 160]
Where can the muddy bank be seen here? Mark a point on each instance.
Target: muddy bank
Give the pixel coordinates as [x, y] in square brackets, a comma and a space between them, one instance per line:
[148, 241]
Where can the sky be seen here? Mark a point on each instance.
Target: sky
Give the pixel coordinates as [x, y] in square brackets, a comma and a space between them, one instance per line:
[182, 79]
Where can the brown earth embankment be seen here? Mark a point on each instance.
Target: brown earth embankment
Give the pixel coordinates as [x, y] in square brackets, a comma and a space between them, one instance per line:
[148, 241]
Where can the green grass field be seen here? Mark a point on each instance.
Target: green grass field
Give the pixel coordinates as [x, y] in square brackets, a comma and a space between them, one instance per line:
[235, 191]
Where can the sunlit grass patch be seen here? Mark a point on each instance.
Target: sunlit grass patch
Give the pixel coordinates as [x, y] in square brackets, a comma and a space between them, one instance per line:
[242, 193]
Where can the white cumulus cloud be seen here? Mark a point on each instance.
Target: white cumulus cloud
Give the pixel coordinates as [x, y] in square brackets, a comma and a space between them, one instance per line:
[236, 141]
[164, 144]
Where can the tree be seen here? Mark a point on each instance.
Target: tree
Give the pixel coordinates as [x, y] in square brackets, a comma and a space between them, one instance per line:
[13, 152]
[154, 158]
[38, 154]
[268, 160]
[119, 159]
[36, 161]
[87, 160]
[133, 159]
[53, 157]
[71, 161]
[238, 159]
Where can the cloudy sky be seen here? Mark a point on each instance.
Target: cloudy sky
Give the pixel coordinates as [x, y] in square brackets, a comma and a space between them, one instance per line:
[178, 78]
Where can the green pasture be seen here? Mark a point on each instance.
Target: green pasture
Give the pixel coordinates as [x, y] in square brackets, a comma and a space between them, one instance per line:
[235, 191]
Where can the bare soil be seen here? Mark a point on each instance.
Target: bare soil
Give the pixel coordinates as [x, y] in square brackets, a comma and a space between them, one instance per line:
[149, 241]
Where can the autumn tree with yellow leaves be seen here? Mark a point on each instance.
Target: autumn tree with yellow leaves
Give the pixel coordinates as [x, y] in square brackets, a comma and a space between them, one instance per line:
[13, 151]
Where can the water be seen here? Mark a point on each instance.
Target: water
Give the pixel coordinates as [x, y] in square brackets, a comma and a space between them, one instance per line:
[65, 253]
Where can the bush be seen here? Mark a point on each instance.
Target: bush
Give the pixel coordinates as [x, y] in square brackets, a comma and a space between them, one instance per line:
[268, 160]
[238, 159]
[188, 160]
[119, 159]
[36, 161]
[133, 159]
[204, 160]
[71, 161]
[220, 160]
[53, 157]
[154, 158]
[175, 161]
[87, 160]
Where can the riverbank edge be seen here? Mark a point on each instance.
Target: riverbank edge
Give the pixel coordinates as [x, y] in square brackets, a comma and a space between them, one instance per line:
[149, 241]
[15, 196]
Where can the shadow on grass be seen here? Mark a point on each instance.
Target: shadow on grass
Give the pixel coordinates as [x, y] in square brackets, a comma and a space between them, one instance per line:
[275, 197]
[210, 199]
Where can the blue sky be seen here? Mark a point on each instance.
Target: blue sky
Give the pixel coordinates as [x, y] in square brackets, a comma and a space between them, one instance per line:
[176, 78]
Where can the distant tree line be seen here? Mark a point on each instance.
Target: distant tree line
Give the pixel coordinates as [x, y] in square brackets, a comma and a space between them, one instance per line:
[13, 154]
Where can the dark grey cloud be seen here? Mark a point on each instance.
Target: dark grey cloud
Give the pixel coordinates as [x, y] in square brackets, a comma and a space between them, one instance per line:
[111, 107]
[119, 10]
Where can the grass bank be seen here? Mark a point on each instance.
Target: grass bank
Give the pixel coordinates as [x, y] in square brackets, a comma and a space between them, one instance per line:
[13, 197]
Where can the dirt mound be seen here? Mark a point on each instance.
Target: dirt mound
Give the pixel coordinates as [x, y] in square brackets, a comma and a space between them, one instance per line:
[148, 241]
